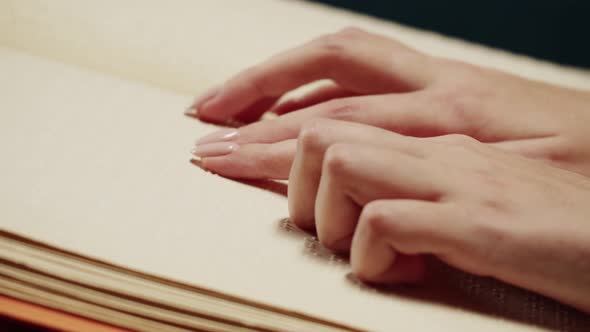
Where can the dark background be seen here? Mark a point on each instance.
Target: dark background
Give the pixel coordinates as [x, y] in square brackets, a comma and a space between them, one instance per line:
[553, 30]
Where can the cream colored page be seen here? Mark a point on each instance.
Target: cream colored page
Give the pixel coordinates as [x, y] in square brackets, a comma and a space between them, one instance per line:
[101, 166]
[185, 45]
[6, 23]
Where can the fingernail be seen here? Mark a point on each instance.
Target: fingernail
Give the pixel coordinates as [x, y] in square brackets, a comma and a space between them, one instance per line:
[223, 135]
[193, 109]
[214, 149]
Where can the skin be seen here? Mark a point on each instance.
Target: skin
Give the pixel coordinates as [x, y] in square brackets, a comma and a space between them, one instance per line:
[382, 83]
[389, 199]
[405, 154]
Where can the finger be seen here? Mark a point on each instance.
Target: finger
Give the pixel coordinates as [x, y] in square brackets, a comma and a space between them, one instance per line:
[452, 139]
[392, 234]
[274, 161]
[536, 148]
[254, 111]
[407, 114]
[553, 150]
[200, 100]
[356, 60]
[354, 175]
[316, 96]
[313, 141]
[248, 115]
[250, 161]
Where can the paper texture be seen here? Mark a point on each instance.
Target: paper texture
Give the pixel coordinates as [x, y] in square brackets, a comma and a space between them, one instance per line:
[130, 299]
[186, 45]
[41, 316]
[99, 165]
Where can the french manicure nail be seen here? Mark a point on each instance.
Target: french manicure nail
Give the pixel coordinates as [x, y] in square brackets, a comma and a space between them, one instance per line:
[214, 149]
[193, 109]
[223, 135]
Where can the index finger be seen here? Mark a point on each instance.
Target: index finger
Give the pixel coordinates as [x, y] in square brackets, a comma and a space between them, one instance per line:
[355, 60]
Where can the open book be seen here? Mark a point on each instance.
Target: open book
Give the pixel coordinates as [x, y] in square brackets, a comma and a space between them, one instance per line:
[103, 215]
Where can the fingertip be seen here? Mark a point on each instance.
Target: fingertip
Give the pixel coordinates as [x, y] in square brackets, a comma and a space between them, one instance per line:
[207, 111]
[197, 162]
[403, 269]
[302, 221]
[341, 246]
[227, 166]
[226, 107]
[202, 99]
[253, 161]
[191, 111]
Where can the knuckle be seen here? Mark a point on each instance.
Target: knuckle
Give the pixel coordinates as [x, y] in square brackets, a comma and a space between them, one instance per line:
[338, 159]
[375, 218]
[342, 109]
[492, 198]
[487, 174]
[491, 238]
[456, 103]
[466, 149]
[337, 45]
[333, 44]
[312, 136]
[495, 205]
[461, 105]
[256, 82]
[332, 51]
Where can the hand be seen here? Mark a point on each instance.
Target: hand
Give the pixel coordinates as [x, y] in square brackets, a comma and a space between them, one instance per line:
[391, 198]
[380, 82]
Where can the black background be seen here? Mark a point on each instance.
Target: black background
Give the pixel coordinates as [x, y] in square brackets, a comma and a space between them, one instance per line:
[553, 30]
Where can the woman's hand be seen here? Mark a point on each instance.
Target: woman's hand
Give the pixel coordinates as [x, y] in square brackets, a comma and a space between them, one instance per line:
[390, 198]
[380, 82]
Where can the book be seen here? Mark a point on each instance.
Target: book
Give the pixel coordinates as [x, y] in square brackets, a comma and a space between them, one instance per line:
[103, 215]
[18, 315]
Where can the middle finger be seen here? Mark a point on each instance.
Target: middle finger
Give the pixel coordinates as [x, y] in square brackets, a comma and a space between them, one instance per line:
[313, 142]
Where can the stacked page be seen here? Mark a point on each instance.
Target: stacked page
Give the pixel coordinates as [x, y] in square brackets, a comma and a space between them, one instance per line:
[46, 275]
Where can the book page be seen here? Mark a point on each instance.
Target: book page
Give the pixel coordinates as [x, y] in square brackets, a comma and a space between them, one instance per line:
[47, 318]
[100, 166]
[188, 45]
[6, 25]
[96, 161]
